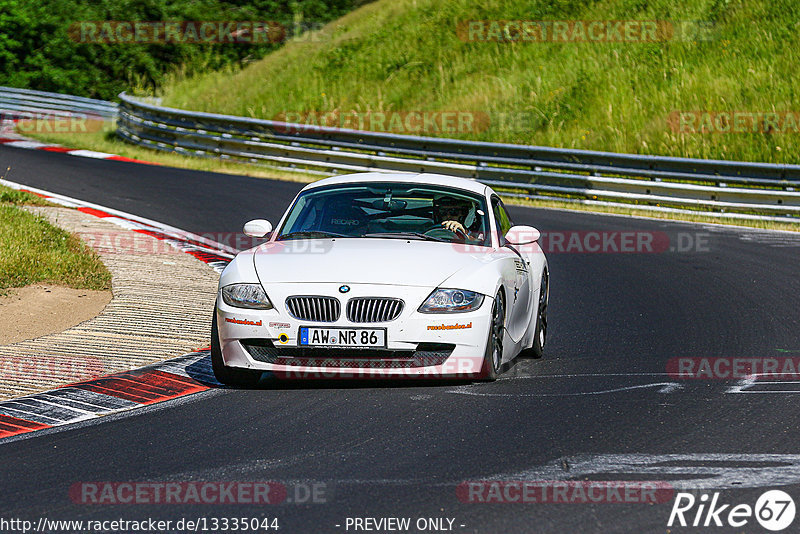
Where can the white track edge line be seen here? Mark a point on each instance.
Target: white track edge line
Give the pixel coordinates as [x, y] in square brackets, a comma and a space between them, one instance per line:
[167, 229]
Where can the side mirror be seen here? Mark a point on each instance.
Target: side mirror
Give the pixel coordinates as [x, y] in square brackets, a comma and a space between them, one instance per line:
[522, 235]
[257, 228]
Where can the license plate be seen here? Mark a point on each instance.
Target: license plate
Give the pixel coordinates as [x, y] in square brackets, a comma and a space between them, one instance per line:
[342, 337]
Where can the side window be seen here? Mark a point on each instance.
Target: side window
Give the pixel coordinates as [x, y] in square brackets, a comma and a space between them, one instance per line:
[502, 220]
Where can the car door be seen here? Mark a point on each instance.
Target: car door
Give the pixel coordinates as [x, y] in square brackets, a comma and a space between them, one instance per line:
[516, 271]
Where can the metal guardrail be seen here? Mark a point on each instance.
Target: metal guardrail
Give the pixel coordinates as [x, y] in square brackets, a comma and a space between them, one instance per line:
[27, 103]
[657, 183]
[727, 187]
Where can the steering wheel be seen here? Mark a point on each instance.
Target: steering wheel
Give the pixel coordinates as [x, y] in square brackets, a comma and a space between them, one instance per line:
[439, 232]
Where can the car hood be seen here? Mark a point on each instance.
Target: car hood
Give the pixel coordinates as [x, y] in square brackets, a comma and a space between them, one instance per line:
[367, 261]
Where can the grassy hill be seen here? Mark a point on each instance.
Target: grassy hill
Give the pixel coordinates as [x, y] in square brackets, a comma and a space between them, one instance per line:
[412, 55]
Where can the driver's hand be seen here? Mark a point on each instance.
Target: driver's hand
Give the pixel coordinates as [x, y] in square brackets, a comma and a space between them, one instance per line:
[455, 226]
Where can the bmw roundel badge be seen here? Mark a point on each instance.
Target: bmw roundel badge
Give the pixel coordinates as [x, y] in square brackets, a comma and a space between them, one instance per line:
[344, 289]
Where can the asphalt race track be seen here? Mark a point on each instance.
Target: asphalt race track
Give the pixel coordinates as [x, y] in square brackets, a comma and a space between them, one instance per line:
[600, 405]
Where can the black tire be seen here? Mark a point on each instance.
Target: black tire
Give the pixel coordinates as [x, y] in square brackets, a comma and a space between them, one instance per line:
[228, 375]
[493, 355]
[540, 336]
[541, 322]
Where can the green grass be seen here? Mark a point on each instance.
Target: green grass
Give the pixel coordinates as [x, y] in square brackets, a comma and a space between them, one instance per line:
[10, 196]
[405, 55]
[33, 251]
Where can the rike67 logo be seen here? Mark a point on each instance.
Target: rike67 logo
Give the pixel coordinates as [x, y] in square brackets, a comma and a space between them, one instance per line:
[774, 510]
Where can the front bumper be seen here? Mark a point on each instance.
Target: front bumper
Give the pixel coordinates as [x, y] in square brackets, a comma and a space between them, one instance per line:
[418, 345]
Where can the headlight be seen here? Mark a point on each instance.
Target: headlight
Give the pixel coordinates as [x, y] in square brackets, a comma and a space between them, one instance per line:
[249, 296]
[451, 301]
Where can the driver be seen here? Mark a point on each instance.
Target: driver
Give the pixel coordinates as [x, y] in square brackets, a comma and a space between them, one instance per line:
[451, 213]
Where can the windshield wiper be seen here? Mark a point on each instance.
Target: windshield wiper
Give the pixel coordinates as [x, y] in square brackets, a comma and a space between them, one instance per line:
[310, 234]
[406, 235]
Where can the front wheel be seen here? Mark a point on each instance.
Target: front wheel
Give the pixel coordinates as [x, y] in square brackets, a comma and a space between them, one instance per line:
[540, 335]
[228, 375]
[541, 321]
[493, 355]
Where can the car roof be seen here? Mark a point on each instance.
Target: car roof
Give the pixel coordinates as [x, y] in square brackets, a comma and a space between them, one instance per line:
[404, 177]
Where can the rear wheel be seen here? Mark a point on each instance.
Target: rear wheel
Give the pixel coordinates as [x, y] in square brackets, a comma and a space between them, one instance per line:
[228, 375]
[493, 356]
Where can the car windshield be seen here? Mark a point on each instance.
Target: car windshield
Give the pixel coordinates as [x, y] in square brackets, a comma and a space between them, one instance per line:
[389, 211]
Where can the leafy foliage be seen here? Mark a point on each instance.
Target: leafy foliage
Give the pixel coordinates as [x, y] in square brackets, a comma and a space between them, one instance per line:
[37, 51]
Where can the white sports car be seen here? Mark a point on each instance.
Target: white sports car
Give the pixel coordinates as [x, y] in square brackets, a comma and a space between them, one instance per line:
[383, 275]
